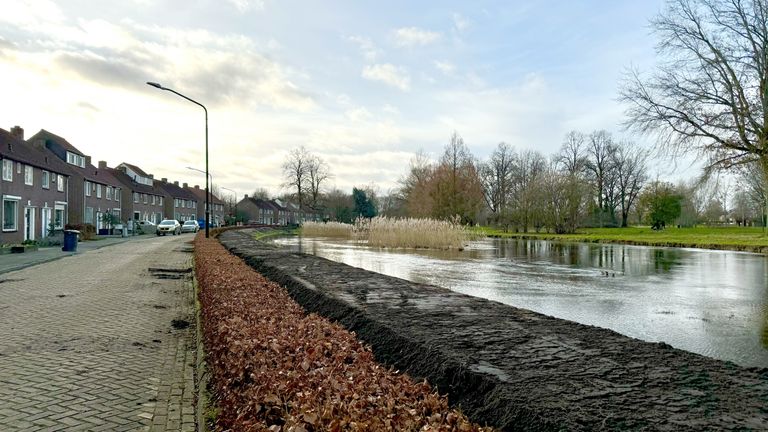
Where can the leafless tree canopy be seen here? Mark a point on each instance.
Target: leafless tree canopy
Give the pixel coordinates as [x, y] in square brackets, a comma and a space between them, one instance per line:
[710, 92]
[296, 173]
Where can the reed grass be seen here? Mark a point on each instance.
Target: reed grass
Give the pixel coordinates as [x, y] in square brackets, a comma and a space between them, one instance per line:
[327, 229]
[413, 233]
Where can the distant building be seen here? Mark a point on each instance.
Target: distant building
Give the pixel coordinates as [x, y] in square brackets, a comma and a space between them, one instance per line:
[179, 203]
[218, 210]
[141, 199]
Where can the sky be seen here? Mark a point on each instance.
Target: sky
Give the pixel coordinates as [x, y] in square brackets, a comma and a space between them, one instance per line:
[362, 84]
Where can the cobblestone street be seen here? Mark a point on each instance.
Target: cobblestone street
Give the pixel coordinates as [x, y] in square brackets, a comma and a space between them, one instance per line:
[103, 340]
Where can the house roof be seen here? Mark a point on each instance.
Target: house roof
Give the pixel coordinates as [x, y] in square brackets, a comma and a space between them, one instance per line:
[264, 204]
[136, 169]
[89, 172]
[200, 194]
[131, 184]
[59, 140]
[18, 150]
[176, 191]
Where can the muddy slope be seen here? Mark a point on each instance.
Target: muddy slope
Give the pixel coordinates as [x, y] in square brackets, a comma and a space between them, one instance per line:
[513, 368]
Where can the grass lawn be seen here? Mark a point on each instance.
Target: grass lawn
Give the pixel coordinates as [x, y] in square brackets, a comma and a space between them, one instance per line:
[731, 237]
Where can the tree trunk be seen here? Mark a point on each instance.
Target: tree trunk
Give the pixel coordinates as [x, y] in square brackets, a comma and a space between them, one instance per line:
[764, 164]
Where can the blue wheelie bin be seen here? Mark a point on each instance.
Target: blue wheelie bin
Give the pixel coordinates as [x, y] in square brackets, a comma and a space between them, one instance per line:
[70, 240]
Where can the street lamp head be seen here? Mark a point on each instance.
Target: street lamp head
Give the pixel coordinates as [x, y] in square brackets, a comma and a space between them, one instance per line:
[154, 84]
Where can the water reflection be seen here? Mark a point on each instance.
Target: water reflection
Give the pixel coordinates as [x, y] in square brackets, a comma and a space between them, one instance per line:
[711, 302]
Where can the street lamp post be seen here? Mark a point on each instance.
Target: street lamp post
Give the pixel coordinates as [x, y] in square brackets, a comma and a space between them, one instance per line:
[207, 191]
[235, 193]
[208, 195]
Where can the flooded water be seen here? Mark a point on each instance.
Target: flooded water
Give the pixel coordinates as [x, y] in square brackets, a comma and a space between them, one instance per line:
[710, 302]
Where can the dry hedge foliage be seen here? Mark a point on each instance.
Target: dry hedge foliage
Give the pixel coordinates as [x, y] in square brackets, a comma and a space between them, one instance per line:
[273, 367]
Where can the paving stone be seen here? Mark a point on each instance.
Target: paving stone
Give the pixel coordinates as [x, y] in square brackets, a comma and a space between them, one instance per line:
[87, 361]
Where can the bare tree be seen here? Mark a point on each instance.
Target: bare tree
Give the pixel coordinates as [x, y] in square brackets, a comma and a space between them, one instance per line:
[529, 168]
[457, 185]
[572, 157]
[318, 173]
[261, 193]
[600, 165]
[496, 177]
[629, 163]
[710, 94]
[296, 174]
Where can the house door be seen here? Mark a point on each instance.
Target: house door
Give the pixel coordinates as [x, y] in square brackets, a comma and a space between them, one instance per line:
[45, 222]
[29, 223]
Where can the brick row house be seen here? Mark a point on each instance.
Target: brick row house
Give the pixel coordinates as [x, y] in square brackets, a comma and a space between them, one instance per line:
[218, 207]
[48, 183]
[34, 187]
[275, 212]
[92, 191]
[180, 204]
[142, 199]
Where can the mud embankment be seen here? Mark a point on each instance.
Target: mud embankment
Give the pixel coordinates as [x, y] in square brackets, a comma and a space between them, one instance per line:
[513, 368]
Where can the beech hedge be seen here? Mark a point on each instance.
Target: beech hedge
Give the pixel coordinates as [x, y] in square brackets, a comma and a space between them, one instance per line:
[274, 367]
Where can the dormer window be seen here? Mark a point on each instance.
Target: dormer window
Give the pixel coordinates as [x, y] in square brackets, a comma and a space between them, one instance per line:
[75, 159]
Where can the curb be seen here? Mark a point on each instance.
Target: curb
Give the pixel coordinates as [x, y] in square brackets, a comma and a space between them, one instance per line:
[201, 372]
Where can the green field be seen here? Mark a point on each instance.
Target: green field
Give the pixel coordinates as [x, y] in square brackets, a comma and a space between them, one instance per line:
[731, 238]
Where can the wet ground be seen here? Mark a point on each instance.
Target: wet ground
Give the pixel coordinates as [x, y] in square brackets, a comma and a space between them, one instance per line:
[513, 368]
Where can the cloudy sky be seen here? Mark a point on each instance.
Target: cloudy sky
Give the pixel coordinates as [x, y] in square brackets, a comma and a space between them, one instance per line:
[363, 84]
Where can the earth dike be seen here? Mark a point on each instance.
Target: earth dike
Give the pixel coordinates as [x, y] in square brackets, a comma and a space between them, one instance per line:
[513, 368]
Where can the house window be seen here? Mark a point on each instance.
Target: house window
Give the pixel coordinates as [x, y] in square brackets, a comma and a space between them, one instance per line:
[18, 167]
[161, 200]
[58, 218]
[144, 197]
[109, 193]
[7, 170]
[89, 215]
[88, 188]
[153, 200]
[10, 214]
[75, 159]
[46, 179]
[29, 173]
[60, 182]
[136, 197]
[98, 191]
[117, 194]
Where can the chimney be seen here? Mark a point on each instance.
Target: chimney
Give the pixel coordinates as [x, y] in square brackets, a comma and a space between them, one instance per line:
[87, 160]
[246, 196]
[164, 180]
[176, 183]
[185, 186]
[102, 164]
[17, 133]
[197, 187]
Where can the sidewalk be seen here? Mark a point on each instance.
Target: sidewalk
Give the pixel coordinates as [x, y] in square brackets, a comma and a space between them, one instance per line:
[12, 262]
[100, 341]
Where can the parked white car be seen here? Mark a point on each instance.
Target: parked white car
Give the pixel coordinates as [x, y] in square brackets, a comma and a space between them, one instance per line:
[190, 226]
[169, 226]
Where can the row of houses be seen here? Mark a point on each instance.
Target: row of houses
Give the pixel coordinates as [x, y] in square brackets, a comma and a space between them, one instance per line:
[47, 182]
[275, 212]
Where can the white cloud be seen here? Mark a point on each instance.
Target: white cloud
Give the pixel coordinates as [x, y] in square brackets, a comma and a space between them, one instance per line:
[446, 68]
[246, 5]
[389, 109]
[388, 74]
[367, 47]
[358, 114]
[460, 23]
[411, 36]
